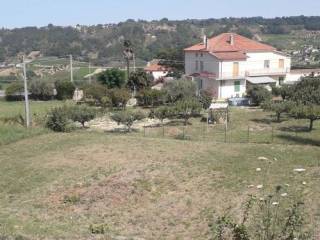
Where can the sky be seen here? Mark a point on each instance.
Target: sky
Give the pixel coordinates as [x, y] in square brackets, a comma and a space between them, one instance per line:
[21, 13]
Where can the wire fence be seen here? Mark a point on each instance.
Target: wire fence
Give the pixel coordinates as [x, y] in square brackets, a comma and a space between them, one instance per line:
[232, 134]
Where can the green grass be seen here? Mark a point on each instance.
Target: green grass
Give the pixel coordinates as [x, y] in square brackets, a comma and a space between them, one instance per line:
[14, 132]
[246, 125]
[140, 187]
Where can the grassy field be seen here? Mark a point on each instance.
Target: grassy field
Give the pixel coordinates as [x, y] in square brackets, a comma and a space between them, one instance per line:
[57, 185]
[10, 133]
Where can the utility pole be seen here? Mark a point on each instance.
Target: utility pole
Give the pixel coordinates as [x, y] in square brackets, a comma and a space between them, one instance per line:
[90, 80]
[134, 62]
[71, 68]
[26, 94]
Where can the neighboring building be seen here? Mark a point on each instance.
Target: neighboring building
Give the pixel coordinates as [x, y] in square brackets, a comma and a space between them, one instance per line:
[158, 71]
[224, 64]
[296, 75]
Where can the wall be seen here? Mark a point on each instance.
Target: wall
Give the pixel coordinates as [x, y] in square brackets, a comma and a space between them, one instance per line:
[211, 64]
[158, 75]
[227, 88]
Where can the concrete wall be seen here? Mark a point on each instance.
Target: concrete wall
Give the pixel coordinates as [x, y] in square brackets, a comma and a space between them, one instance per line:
[210, 63]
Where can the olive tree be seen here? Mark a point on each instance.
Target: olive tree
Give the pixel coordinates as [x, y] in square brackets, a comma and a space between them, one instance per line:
[186, 108]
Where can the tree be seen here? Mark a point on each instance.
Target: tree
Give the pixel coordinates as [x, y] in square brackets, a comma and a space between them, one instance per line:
[259, 94]
[128, 54]
[151, 97]
[163, 112]
[205, 98]
[65, 89]
[119, 97]
[58, 120]
[82, 114]
[127, 118]
[285, 91]
[180, 89]
[310, 112]
[186, 108]
[139, 81]
[112, 78]
[94, 92]
[41, 89]
[14, 92]
[278, 107]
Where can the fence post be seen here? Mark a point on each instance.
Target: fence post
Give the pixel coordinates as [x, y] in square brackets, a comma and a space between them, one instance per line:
[162, 130]
[248, 134]
[272, 134]
[225, 133]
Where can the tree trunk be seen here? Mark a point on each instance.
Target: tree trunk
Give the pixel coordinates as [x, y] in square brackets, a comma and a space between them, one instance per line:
[311, 125]
[278, 117]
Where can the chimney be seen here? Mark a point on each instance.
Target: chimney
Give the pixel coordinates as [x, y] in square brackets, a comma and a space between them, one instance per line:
[231, 39]
[205, 41]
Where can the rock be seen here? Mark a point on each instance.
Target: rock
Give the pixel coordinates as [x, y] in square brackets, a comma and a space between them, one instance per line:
[299, 170]
[258, 169]
[260, 186]
[251, 186]
[284, 194]
[304, 183]
[262, 158]
[275, 203]
[287, 185]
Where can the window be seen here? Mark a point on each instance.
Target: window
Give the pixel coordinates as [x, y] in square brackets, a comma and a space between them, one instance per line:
[237, 86]
[281, 80]
[201, 66]
[235, 72]
[200, 84]
[201, 55]
[266, 63]
[197, 54]
[197, 65]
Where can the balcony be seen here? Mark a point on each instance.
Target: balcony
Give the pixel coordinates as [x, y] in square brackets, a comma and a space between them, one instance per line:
[267, 71]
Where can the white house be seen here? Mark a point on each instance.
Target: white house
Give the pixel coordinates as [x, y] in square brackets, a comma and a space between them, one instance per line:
[225, 64]
[158, 71]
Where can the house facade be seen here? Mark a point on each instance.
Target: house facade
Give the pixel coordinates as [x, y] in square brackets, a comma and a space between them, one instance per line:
[156, 70]
[226, 64]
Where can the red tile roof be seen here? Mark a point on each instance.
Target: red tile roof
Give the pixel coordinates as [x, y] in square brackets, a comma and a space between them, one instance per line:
[155, 67]
[222, 47]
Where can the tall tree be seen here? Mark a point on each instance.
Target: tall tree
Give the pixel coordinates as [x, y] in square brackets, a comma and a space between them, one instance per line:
[128, 55]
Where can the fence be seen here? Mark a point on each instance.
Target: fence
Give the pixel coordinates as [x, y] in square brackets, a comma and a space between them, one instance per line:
[232, 134]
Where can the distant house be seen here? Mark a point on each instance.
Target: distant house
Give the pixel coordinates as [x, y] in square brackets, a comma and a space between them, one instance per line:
[297, 74]
[156, 70]
[34, 54]
[225, 64]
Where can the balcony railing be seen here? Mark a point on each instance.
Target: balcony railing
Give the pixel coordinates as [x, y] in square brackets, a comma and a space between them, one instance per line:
[267, 71]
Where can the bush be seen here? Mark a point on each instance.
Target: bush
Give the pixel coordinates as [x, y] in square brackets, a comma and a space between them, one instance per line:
[278, 108]
[112, 78]
[82, 114]
[151, 97]
[205, 98]
[94, 92]
[41, 90]
[59, 120]
[14, 92]
[139, 80]
[187, 108]
[179, 89]
[259, 94]
[163, 112]
[65, 89]
[127, 118]
[119, 97]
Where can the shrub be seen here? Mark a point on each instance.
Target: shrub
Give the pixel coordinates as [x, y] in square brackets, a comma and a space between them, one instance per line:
[14, 92]
[94, 92]
[259, 94]
[179, 89]
[119, 97]
[151, 97]
[41, 90]
[139, 80]
[58, 120]
[106, 102]
[163, 112]
[187, 108]
[205, 98]
[82, 114]
[65, 89]
[112, 78]
[127, 118]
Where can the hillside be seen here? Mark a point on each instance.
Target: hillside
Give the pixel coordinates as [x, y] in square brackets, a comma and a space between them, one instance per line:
[103, 43]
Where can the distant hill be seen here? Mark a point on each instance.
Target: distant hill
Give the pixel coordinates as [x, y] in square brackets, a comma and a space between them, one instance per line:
[103, 43]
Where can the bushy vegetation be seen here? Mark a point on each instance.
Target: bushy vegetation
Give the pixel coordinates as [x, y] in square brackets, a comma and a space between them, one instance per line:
[151, 97]
[41, 89]
[65, 89]
[14, 92]
[127, 118]
[119, 97]
[94, 94]
[139, 80]
[112, 78]
[62, 119]
[259, 94]
[187, 108]
[180, 89]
